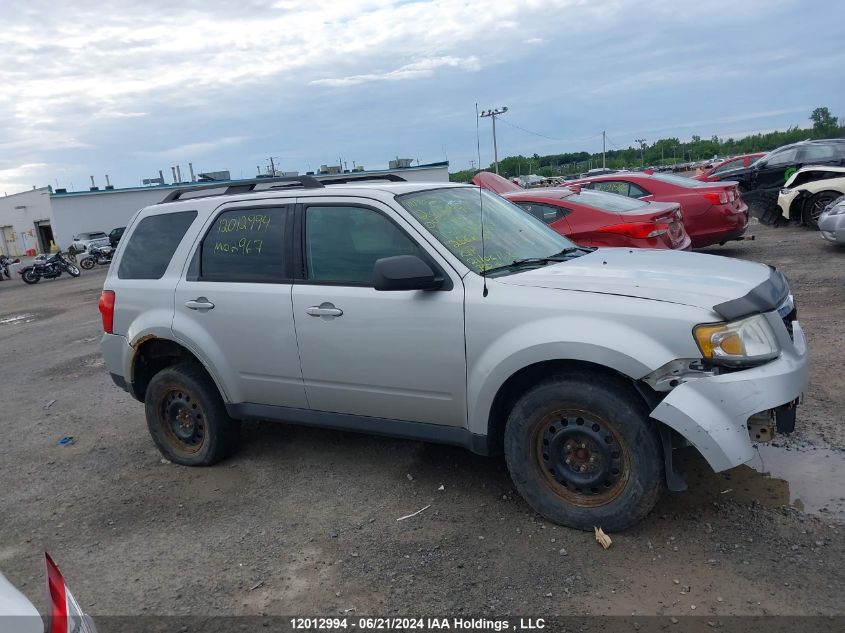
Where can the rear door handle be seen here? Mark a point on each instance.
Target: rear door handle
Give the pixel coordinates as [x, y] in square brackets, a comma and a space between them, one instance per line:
[200, 303]
[324, 310]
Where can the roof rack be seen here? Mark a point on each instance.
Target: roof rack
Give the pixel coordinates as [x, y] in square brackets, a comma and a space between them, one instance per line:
[245, 186]
[363, 178]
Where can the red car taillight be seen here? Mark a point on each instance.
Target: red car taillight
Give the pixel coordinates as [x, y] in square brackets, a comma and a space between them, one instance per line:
[66, 616]
[637, 230]
[714, 197]
[106, 306]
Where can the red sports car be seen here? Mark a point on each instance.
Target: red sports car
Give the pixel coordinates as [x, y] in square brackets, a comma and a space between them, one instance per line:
[595, 218]
[713, 212]
[720, 169]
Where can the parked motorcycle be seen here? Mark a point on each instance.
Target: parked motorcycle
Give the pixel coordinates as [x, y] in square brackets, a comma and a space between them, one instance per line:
[5, 262]
[97, 255]
[50, 268]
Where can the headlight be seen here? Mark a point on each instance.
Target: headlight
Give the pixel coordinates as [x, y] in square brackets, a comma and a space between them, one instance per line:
[742, 342]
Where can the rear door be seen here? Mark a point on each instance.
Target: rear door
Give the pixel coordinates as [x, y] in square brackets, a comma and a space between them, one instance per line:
[398, 355]
[233, 304]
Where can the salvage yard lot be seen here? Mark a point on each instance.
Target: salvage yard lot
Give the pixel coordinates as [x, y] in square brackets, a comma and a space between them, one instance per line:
[303, 521]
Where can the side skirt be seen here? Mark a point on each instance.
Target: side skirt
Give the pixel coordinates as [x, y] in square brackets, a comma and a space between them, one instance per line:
[436, 433]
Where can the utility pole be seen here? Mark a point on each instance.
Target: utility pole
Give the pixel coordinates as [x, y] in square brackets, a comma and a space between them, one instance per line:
[272, 168]
[493, 114]
[641, 141]
[603, 139]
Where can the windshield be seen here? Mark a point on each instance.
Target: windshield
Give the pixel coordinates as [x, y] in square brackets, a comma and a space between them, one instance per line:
[606, 201]
[453, 216]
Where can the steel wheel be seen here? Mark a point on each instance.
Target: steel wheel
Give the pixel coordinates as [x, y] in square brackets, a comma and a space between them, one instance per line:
[583, 461]
[183, 421]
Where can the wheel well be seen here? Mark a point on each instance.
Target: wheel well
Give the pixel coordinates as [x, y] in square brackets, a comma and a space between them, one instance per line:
[526, 377]
[831, 192]
[151, 357]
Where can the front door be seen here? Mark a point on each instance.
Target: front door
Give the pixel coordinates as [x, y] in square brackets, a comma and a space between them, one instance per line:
[398, 355]
[234, 305]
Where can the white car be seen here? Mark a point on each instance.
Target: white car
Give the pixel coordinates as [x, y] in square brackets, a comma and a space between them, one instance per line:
[809, 191]
[19, 615]
[391, 309]
[82, 241]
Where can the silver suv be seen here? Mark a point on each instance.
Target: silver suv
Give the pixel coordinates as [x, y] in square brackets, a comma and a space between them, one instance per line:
[443, 313]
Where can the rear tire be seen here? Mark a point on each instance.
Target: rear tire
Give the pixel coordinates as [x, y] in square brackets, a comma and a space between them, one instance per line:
[583, 453]
[30, 277]
[187, 419]
[814, 206]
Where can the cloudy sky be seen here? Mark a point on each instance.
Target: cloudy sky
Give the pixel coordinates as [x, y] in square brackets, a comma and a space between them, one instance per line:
[126, 88]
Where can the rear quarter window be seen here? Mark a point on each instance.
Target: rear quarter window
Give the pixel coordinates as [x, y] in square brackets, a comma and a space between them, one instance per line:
[152, 243]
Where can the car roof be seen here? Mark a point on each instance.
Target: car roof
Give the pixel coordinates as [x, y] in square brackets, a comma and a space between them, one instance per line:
[386, 189]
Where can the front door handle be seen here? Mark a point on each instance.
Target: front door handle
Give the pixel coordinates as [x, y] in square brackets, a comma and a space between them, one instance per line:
[324, 310]
[200, 303]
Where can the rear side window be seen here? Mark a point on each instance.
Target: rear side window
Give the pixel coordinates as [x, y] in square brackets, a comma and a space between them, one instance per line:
[246, 246]
[545, 212]
[152, 244]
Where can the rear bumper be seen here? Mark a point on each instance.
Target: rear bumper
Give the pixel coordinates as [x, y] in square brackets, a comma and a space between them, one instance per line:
[712, 412]
[731, 225]
[117, 355]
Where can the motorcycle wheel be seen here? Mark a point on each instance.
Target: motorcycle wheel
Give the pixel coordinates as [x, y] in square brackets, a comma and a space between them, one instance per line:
[73, 271]
[87, 263]
[30, 276]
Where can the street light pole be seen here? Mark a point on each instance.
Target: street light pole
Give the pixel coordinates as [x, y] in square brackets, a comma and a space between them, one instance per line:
[493, 114]
[641, 141]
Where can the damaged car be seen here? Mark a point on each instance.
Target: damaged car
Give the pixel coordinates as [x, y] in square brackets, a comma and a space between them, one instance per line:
[761, 183]
[809, 191]
[444, 313]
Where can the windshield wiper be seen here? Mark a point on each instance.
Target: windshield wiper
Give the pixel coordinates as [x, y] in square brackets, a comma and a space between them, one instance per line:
[562, 256]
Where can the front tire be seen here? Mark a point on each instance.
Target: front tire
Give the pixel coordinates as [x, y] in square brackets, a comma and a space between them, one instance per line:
[30, 277]
[87, 263]
[815, 205]
[73, 271]
[187, 419]
[583, 453]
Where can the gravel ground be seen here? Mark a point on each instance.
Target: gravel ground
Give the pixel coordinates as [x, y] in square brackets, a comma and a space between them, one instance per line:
[303, 521]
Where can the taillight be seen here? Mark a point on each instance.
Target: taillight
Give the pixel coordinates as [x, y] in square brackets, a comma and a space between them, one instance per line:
[637, 230]
[66, 616]
[714, 197]
[106, 306]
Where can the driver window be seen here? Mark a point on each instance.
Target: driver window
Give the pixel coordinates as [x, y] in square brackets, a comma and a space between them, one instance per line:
[342, 244]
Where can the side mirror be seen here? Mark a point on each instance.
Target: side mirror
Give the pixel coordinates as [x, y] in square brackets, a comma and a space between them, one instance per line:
[404, 272]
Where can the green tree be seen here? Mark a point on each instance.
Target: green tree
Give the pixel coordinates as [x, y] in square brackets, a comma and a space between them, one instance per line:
[823, 123]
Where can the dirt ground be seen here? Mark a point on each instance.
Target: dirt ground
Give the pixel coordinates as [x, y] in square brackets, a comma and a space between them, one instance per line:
[303, 521]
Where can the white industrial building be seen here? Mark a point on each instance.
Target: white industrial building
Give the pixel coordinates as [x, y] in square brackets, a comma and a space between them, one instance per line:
[29, 221]
[25, 222]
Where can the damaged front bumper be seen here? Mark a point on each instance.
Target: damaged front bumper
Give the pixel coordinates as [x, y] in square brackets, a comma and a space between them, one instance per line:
[713, 412]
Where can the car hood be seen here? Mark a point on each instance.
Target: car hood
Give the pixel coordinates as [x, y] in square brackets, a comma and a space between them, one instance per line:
[728, 286]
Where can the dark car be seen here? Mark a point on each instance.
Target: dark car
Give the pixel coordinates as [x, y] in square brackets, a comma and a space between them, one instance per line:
[760, 183]
[115, 235]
